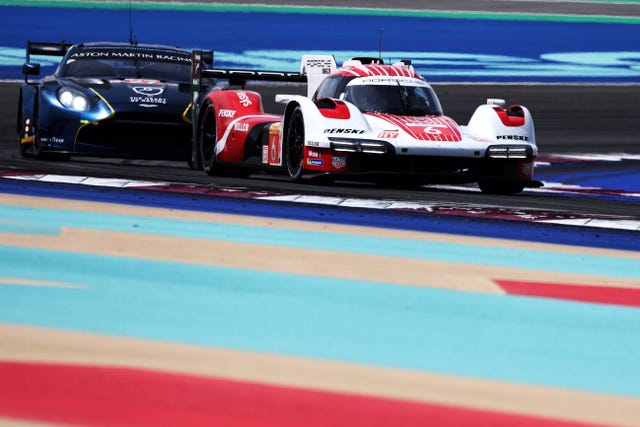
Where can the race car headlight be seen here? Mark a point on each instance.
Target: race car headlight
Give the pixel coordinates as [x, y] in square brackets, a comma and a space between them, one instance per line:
[73, 99]
[509, 152]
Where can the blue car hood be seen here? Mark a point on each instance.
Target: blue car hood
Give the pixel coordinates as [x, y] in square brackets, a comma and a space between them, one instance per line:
[140, 94]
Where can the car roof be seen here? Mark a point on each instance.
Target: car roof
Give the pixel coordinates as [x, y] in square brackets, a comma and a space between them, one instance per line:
[372, 70]
[129, 45]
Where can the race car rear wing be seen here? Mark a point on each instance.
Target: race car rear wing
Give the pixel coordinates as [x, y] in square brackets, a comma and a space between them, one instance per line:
[47, 48]
[313, 69]
[41, 48]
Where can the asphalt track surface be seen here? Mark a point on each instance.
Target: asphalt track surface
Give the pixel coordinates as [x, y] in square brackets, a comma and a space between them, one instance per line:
[569, 119]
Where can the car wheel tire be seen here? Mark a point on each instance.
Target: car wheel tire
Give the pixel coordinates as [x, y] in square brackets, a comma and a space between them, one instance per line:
[294, 145]
[206, 140]
[26, 150]
[194, 162]
[491, 186]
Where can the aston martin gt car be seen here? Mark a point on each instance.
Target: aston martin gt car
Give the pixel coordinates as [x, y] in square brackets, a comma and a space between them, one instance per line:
[107, 99]
[364, 120]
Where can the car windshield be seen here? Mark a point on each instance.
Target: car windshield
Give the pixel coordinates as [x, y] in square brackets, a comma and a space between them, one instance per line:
[394, 99]
[128, 63]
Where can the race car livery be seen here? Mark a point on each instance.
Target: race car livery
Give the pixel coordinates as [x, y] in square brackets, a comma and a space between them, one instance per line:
[107, 99]
[364, 120]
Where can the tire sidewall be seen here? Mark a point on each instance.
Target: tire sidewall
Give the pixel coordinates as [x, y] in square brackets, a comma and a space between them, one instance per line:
[294, 166]
[208, 164]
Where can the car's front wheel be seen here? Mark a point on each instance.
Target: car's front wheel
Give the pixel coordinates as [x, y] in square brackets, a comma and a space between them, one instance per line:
[294, 145]
[26, 148]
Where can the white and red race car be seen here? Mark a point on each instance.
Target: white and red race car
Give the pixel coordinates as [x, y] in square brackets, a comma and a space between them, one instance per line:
[364, 120]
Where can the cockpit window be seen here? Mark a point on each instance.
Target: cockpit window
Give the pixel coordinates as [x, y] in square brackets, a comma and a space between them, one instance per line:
[394, 99]
[332, 87]
[128, 63]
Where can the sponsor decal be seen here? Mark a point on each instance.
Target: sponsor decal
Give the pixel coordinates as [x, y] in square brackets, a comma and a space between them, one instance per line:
[275, 149]
[343, 131]
[147, 96]
[244, 99]
[339, 162]
[313, 143]
[148, 91]
[53, 139]
[242, 127]
[388, 134]
[141, 82]
[265, 154]
[315, 162]
[392, 81]
[315, 154]
[323, 64]
[512, 137]
[128, 54]
[227, 113]
[147, 100]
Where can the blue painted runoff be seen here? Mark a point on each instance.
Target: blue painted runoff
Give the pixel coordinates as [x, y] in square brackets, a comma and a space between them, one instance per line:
[474, 49]
[516, 230]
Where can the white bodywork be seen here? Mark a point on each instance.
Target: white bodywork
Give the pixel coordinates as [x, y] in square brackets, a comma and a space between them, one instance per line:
[484, 129]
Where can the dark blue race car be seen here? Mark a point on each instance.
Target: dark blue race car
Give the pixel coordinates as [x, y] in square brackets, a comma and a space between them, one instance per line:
[107, 99]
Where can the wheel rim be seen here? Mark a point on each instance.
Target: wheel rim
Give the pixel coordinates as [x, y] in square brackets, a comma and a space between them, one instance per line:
[207, 139]
[295, 145]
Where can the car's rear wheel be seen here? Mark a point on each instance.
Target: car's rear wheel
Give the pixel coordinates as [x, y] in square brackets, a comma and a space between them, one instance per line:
[294, 144]
[207, 139]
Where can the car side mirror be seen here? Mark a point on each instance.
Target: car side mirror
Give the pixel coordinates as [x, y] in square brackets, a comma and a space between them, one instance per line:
[31, 69]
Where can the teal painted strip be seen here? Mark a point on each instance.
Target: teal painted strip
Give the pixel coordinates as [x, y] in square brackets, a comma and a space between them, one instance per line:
[403, 248]
[221, 8]
[526, 340]
[28, 228]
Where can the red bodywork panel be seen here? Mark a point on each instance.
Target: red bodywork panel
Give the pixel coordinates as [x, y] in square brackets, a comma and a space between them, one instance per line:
[333, 109]
[237, 112]
[516, 118]
[428, 128]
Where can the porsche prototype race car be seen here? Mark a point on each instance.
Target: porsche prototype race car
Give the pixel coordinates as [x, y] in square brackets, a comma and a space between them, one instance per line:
[107, 99]
[364, 120]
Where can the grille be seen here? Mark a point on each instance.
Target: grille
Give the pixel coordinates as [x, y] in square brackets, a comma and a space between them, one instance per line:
[138, 135]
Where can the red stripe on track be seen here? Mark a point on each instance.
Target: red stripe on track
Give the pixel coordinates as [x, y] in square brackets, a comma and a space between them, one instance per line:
[584, 293]
[109, 396]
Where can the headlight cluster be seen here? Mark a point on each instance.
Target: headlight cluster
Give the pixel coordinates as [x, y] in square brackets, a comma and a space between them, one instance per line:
[73, 99]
